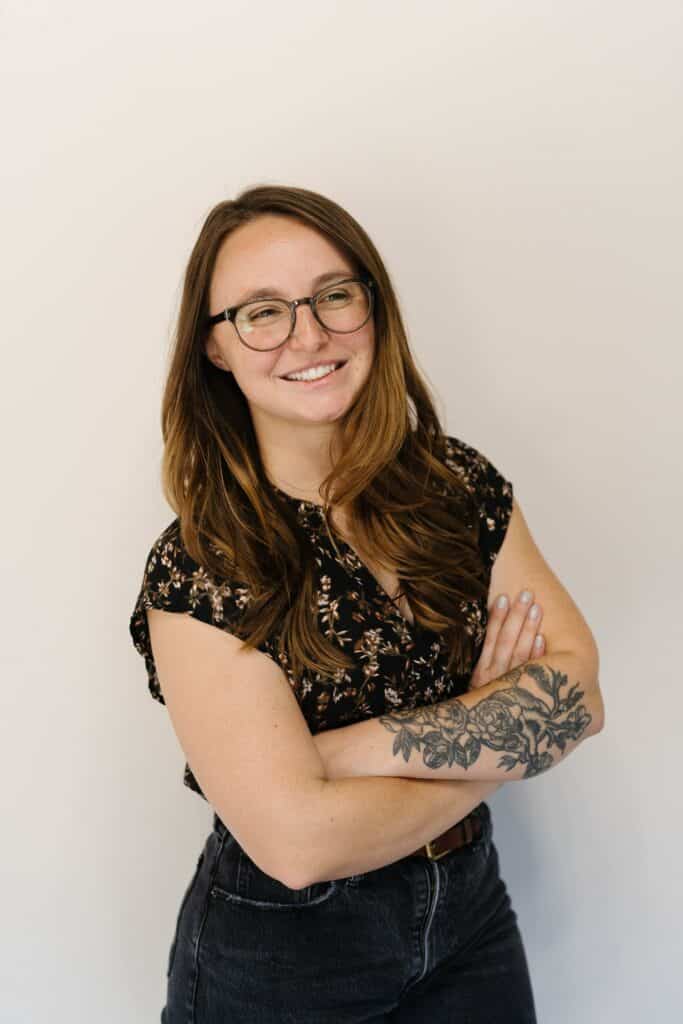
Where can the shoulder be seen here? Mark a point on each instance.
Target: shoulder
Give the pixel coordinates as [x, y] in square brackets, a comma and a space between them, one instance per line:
[473, 467]
[173, 578]
[173, 581]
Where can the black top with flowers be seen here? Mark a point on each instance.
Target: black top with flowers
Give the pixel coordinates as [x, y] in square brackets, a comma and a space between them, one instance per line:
[397, 665]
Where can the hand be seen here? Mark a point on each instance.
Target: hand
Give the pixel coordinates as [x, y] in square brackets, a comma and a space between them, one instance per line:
[510, 640]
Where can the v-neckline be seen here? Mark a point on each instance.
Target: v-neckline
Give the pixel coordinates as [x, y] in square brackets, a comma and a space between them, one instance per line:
[413, 627]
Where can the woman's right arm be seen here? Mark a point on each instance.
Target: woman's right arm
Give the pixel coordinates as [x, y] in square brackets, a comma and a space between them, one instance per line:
[250, 748]
[363, 823]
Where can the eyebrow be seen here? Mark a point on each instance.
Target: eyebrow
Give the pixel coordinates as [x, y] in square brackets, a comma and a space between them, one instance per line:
[270, 291]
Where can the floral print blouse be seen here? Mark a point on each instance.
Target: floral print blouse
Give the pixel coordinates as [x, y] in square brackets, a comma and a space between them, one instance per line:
[398, 665]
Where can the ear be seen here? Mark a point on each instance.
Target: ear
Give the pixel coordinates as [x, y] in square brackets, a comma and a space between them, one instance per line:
[214, 354]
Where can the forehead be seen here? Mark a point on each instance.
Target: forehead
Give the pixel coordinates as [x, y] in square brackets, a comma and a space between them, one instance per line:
[273, 250]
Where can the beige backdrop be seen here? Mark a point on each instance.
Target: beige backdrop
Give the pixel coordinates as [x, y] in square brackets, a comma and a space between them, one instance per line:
[519, 166]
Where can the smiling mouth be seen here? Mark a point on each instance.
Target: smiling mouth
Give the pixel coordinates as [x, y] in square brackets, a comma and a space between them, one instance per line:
[314, 380]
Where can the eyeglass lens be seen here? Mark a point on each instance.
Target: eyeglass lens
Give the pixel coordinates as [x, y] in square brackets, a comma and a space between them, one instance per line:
[341, 307]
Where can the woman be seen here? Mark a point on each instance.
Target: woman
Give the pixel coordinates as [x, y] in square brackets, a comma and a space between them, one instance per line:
[341, 683]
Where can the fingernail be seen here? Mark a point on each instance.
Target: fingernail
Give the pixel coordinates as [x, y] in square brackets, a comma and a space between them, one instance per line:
[525, 596]
[502, 601]
[534, 611]
[538, 641]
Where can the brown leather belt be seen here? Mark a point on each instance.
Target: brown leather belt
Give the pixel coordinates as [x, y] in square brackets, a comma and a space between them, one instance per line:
[460, 834]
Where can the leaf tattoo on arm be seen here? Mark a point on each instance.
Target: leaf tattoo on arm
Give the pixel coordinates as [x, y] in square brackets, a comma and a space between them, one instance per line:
[512, 720]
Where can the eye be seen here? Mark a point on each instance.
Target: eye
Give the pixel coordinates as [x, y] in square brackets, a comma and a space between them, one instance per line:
[261, 313]
[335, 296]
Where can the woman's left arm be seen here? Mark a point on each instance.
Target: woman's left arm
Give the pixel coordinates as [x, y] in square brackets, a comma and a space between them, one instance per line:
[522, 723]
[512, 728]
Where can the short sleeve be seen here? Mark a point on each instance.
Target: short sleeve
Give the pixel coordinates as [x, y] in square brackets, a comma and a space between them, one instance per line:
[174, 582]
[492, 493]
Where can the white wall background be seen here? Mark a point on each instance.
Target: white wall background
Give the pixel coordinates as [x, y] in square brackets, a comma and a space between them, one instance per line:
[523, 161]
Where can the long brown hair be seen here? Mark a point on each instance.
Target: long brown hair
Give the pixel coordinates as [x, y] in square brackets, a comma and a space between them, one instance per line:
[402, 501]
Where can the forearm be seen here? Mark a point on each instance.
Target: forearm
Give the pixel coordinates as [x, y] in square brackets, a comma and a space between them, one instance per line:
[515, 727]
[357, 825]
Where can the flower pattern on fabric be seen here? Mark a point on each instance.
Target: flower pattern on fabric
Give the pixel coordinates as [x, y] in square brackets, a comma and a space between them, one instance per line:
[397, 664]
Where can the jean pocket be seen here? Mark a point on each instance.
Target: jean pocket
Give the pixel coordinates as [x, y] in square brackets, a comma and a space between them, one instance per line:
[241, 881]
[183, 904]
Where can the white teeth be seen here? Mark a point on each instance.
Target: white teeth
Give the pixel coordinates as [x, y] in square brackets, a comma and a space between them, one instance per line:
[312, 374]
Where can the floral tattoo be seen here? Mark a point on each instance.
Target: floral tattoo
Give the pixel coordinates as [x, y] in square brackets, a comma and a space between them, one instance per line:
[513, 720]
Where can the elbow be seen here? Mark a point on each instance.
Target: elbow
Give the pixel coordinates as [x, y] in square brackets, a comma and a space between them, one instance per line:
[598, 704]
[308, 874]
[283, 864]
[299, 857]
[316, 847]
[594, 703]
[597, 712]
[587, 668]
[275, 870]
[277, 854]
[292, 864]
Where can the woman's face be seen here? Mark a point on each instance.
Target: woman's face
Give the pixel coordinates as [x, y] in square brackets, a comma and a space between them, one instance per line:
[278, 252]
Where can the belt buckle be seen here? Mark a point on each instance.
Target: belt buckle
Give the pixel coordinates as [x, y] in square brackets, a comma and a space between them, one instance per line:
[431, 854]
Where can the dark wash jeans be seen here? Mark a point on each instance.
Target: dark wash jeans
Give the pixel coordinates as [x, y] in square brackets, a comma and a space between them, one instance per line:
[417, 940]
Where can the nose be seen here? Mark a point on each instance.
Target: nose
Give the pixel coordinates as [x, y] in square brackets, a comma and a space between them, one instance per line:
[306, 327]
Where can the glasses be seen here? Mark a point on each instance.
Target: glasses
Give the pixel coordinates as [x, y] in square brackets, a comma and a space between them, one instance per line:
[342, 307]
